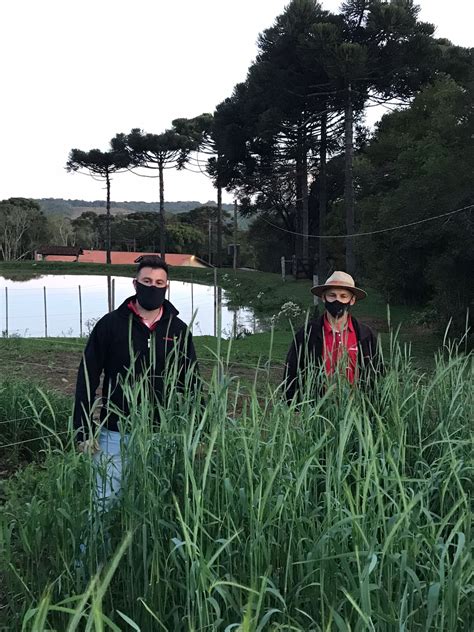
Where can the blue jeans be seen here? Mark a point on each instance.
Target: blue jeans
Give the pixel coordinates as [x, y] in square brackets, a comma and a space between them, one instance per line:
[110, 462]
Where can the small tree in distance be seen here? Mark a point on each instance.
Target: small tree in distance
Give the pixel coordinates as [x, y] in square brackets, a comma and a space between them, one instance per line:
[168, 150]
[100, 165]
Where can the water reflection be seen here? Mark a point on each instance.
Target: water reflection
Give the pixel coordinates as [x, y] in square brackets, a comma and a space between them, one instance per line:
[66, 305]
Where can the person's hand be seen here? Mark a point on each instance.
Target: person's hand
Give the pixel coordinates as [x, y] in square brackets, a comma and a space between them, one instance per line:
[89, 446]
[201, 451]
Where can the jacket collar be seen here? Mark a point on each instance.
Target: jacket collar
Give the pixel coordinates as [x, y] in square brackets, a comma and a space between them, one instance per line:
[328, 328]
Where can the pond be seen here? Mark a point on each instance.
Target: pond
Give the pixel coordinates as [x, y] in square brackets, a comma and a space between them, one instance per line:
[66, 305]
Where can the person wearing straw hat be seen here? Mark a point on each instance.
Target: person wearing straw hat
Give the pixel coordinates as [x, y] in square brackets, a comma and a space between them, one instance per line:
[336, 341]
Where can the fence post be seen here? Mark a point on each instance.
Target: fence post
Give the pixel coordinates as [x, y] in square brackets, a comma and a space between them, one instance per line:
[45, 313]
[192, 304]
[234, 325]
[215, 302]
[6, 310]
[219, 312]
[113, 294]
[283, 269]
[294, 267]
[80, 311]
[109, 293]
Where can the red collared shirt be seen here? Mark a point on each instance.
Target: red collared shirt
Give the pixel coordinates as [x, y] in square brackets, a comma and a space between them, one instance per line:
[151, 325]
[340, 350]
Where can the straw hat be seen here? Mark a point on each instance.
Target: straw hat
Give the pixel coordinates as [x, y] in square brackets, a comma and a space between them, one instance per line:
[340, 280]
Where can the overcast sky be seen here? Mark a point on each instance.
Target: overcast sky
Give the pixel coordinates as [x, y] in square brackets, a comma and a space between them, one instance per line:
[76, 72]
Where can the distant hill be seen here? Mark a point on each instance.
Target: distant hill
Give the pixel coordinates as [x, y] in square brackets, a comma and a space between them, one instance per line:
[74, 208]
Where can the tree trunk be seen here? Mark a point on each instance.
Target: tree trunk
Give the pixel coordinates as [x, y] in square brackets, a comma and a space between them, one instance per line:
[349, 182]
[162, 212]
[323, 198]
[108, 228]
[219, 226]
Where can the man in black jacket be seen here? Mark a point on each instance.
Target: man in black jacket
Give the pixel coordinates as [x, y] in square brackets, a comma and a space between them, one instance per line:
[336, 342]
[143, 336]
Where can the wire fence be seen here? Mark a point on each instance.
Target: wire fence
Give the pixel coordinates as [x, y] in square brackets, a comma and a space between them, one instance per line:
[28, 417]
[38, 438]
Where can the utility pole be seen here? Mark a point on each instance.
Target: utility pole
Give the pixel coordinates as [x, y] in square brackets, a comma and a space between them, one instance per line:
[349, 181]
[235, 235]
[108, 228]
[219, 226]
[210, 240]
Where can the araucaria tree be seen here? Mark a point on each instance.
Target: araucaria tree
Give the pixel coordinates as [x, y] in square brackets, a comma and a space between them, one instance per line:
[101, 165]
[280, 117]
[169, 150]
[310, 83]
[384, 53]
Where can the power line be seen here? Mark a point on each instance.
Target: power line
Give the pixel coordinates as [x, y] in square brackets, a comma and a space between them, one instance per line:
[372, 232]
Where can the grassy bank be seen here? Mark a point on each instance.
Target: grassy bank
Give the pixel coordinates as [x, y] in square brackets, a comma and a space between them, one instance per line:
[350, 513]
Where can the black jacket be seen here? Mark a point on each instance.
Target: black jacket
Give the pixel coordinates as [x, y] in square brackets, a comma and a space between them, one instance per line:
[108, 351]
[307, 349]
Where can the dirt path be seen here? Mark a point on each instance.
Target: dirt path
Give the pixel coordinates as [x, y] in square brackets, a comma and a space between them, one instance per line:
[57, 371]
[49, 369]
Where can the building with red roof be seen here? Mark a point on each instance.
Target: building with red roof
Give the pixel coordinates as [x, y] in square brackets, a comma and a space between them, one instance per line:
[117, 258]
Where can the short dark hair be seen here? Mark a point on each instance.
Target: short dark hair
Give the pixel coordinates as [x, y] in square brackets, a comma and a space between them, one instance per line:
[152, 261]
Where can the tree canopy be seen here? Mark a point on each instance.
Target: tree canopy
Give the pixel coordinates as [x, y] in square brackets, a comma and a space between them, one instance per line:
[418, 165]
[168, 150]
[23, 227]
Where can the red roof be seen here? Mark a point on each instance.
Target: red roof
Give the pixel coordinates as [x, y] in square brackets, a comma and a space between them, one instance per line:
[99, 256]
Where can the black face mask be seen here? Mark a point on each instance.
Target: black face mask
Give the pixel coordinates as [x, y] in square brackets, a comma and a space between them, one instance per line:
[336, 308]
[149, 296]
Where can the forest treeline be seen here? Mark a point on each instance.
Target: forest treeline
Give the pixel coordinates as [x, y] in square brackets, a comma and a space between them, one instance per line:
[73, 208]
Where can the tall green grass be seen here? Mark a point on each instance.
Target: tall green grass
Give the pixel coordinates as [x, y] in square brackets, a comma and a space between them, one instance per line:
[350, 513]
[28, 418]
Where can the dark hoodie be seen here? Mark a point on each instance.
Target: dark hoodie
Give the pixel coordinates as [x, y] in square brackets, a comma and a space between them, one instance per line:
[108, 351]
